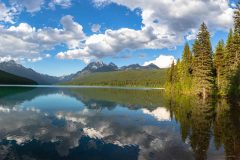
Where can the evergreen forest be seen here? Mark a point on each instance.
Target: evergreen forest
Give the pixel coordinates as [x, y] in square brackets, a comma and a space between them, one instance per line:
[206, 72]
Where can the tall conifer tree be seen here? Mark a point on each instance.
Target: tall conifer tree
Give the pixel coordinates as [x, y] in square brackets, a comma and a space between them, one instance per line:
[237, 19]
[203, 64]
[171, 72]
[178, 71]
[219, 64]
[232, 59]
[186, 60]
[228, 62]
[236, 37]
[186, 70]
[234, 86]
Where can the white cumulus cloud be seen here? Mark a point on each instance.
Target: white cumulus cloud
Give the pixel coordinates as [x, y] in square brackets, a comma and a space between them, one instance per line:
[163, 61]
[111, 42]
[165, 23]
[25, 41]
[180, 15]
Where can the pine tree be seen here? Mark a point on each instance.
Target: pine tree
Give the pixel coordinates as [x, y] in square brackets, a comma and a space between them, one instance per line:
[171, 73]
[186, 60]
[236, 36]
[234, 81]
[186, 69]
[236, 49]
[203, 65]
[228, 62]
[237, 19]
[232, 59]
[219, 64]
[178, 71]
[229, 50]
[171, 78]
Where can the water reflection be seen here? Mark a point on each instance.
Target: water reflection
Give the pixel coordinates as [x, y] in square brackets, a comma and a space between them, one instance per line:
[227, 129]
[212, 127]
[57, 123]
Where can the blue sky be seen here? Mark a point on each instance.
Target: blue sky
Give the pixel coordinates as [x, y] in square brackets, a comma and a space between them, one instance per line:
[59, 37]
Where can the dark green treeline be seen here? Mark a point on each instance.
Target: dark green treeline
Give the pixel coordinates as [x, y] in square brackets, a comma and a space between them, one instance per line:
[204, 72]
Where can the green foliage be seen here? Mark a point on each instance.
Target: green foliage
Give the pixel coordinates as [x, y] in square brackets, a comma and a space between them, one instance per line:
[171, 73]
[134, 78]
[7, 78]
[186, 61]
[197, 73]
[233, 50]
[186, 70]
[219, 65]
[228, 63]
[171, 78]
[234, 89]
[197, 69]
[237, 19]
[203, 77]
[232, 60]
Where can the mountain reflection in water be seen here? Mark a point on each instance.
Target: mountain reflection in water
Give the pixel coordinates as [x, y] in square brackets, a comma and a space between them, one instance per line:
[112, 124]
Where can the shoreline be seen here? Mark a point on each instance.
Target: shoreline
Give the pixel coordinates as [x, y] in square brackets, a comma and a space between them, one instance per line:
[77, 86]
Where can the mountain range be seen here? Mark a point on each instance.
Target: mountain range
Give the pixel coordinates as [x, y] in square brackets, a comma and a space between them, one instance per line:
[7, 78]
[19, 70]
[94, 67]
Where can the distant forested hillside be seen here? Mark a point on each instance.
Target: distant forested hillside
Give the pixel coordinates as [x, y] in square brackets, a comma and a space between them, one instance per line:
[7, 78]
[146, 78]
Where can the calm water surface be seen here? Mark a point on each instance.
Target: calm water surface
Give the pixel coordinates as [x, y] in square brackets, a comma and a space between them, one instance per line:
[114, 124]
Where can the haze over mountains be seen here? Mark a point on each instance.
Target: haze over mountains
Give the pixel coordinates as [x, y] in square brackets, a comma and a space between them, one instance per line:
[7, 78]
[19, 70]
[94, 67]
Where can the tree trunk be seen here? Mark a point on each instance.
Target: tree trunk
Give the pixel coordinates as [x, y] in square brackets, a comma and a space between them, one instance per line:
[204, 93]
[218, 78]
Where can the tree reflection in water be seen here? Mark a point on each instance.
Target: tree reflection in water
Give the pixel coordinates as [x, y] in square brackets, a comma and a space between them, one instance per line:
[115, 124]
[202, 120]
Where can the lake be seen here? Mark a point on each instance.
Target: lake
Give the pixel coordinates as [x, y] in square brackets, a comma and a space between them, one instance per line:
[62, 123]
